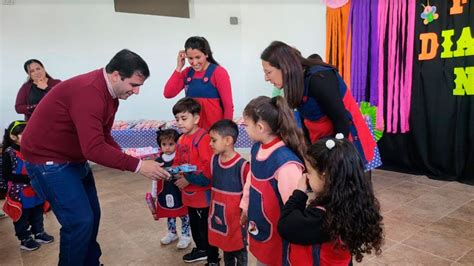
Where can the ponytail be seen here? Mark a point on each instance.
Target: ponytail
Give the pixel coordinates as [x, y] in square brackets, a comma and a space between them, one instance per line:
[279, 117]
[287, 129]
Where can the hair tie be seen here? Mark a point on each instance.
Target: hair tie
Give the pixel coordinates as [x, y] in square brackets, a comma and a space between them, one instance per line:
[339, 136]
[330, 144]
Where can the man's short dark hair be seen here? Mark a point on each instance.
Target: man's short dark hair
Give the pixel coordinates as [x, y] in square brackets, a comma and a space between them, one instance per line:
[187, 104]
[128, 63]
[226, 128]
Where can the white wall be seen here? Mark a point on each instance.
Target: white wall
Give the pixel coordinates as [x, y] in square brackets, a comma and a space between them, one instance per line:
[72, 38]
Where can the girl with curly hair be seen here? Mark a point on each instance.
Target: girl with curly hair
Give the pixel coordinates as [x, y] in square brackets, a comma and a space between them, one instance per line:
[343, 220]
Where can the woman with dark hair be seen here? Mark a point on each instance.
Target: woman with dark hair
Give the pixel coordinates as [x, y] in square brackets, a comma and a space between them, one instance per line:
[205, 81]
[318, 92]
[39, 83]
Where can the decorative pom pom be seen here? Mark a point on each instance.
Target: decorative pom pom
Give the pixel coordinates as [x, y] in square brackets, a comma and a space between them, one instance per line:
[330, 144]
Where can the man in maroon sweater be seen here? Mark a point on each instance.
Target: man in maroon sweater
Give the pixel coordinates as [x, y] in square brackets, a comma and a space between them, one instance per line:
[71, 125]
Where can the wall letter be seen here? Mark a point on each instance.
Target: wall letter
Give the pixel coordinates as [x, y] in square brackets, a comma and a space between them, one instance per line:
[447, 43]
[465, 42]
[464, 84]
[428, 38]
[457, 7]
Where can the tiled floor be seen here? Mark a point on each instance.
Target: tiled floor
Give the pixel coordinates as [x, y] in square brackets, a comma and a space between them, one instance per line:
[427, 222]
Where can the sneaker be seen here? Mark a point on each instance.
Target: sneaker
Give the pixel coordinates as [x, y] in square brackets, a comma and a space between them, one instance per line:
[44, 238]
[212, 264]
[184, 242]
[195, 255]
[29, 244]
[168, 238]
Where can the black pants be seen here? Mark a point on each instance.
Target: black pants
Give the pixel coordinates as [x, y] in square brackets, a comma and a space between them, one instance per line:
[198, 223]
[236, 258]
[30, 217]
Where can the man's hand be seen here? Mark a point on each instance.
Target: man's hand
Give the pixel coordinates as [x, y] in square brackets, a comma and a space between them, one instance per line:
[181, 182]
[153, 170]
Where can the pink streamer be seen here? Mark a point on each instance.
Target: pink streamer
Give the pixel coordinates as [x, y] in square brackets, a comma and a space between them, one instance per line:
[398, 61]
[409, 66]
[390, 65]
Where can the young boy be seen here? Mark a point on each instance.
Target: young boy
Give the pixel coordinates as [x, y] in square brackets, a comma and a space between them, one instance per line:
[229, 171]
[193, 148]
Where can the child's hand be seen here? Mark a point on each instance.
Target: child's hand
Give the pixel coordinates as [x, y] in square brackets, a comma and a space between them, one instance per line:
[181, 183]
[302, 183]
[243, 218]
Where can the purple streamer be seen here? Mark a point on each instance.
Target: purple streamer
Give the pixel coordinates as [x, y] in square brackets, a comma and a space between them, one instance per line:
[360, 19]
[374, 49]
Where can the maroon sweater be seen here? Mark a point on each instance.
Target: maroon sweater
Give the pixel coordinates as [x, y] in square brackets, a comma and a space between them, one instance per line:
[22, 105]
[73, 123]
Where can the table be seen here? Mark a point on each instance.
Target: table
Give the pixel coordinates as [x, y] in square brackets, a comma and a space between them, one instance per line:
[133, 138]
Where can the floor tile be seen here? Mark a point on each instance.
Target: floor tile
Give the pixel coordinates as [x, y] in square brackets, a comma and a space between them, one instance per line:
[422, 218]
[467, 259]
[440, 244]
[405, 255]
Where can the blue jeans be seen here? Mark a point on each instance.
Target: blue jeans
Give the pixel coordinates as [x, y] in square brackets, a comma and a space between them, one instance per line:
[70, 189]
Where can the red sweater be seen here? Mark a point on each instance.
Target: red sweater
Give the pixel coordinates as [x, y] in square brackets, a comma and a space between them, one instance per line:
[73, 123]
[220, 79]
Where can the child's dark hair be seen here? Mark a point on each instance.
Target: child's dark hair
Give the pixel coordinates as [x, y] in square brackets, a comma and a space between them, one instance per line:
[166, 134]
[201, 44]
[15, 128]
[226, 128]
[276, 113]
[187, 104]
[352, 211]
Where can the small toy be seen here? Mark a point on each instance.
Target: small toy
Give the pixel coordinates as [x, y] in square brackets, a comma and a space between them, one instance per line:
[184, 168]
[150, 201]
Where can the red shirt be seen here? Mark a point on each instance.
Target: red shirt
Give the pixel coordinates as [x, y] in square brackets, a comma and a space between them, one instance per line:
[73, 123]
[220, 79]
[195, 149]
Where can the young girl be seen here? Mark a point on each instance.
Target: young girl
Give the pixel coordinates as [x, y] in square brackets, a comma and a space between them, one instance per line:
[168, 195]
[275, 168]
[344, 220]
[205, 81]
[22, 204]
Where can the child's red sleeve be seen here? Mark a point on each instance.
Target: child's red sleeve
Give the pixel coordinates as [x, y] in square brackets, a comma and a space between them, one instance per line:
[205, 155]
[177, 156]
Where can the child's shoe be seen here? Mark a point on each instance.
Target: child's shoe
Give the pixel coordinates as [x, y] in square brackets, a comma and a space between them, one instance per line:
[195, 255]
[44, 238]
[183, 242]
[168, 238]
[29, 244]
